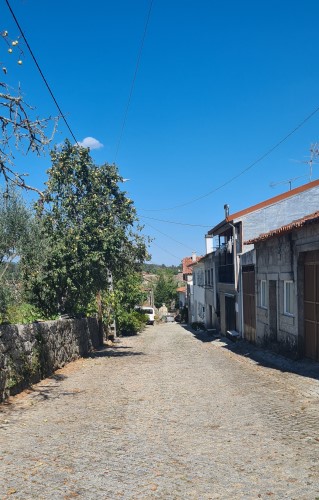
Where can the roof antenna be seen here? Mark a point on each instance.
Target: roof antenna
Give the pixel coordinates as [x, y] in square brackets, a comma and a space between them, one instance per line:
[314, 154]
[287, 181]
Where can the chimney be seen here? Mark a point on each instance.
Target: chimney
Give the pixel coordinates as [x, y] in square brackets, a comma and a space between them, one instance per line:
[226, 208]
[193, 256]
[209, 243]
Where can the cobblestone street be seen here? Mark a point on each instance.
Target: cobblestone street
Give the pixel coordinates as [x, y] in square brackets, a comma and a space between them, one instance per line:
[164, 415]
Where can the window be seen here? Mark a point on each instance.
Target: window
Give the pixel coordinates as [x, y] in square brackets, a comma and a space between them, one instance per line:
[263, 297]
[194, 278]
[288, 297]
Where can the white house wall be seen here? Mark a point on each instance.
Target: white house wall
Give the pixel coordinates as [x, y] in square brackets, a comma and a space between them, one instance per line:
[198, 296]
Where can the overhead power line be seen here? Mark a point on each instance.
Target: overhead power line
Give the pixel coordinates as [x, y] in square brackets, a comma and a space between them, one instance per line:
[173, 222]
[164, 250]
[167, 236]
[133, 81]
[40, 71]
[242, 172]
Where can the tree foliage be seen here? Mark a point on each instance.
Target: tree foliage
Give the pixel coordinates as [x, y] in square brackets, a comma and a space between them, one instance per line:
[129, 291]
[15, 228]
[120, 303]
[165, 290]
[160, 268]
[17, 233]
[89, 227]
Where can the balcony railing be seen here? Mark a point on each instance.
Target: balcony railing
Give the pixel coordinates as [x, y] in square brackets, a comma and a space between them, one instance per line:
[226, 273]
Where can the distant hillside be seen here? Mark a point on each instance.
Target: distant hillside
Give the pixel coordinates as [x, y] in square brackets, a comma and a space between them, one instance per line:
[157, 268]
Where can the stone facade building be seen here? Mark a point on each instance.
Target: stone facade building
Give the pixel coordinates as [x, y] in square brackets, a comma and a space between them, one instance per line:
[287, 287]
[234, 256]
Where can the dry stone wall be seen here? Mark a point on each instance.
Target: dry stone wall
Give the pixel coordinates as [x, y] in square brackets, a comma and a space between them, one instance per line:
[31, 352]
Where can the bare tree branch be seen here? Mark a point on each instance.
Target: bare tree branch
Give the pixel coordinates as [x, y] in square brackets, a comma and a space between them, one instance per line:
[20, 133]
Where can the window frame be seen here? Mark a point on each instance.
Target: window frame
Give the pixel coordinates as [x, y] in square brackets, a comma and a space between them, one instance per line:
[286, 311]
[263, 294]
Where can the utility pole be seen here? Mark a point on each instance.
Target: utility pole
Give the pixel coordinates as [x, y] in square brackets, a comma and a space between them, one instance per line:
[112, 327]
[100, 317]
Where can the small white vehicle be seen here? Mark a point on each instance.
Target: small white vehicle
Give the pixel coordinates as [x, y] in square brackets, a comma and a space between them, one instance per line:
[149, 312]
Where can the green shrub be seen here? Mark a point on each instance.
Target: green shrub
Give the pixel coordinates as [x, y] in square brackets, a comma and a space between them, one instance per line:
[5, 299]
[22, 313]
[130, 323]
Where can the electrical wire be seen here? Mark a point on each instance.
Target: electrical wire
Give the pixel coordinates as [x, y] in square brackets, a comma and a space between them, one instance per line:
[133, 81]
[173, 222]
[40, 71]
[242, 172]
[164, 250]
[167, 236]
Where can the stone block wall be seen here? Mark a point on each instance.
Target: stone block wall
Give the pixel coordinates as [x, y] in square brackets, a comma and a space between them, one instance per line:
[275, 262]
[31, 352]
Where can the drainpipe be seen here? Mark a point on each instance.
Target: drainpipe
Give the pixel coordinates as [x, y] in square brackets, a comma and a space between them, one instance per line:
[236, 269]
[235, 255]
[241, 306]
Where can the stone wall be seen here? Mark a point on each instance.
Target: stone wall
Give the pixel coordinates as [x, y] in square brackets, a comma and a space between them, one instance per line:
[31, 352]
[275, 263]
[279, 259]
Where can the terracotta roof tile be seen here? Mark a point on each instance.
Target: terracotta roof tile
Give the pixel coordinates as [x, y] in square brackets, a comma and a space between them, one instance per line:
[187, 263]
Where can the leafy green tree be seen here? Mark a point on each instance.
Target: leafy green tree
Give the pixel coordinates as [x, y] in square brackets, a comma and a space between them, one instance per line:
[165, 290]
[160, 268]
[17, 227]
[89, 227]
[128, 293]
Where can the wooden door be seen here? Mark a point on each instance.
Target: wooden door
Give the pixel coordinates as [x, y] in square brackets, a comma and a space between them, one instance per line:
[249, 303]
[230, 313]
[311, 305]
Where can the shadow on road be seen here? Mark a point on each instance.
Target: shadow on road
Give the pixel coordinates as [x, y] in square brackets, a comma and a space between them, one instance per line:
[115, 351]
[262, 356]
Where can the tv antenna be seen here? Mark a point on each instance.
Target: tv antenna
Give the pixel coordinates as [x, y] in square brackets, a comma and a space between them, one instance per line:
[287, 181]
[314, 154]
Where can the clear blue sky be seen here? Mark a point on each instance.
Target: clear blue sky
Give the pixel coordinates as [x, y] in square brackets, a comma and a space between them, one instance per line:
[218, 84]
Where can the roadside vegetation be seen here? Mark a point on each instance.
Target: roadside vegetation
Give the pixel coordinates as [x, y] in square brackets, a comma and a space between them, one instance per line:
[57, 257]
[79, 249]
[165, 290]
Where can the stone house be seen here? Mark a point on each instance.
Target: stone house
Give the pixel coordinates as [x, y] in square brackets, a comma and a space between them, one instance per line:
[287, 287]
[204, 291]
[187, 270]
[235, 260]
[181, 294]
[196, 311]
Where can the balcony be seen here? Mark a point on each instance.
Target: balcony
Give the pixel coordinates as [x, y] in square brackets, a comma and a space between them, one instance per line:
[226, 273]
